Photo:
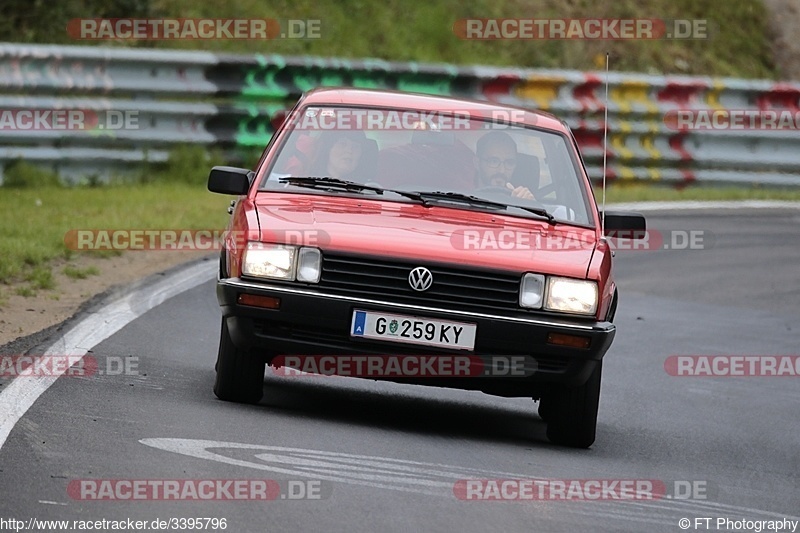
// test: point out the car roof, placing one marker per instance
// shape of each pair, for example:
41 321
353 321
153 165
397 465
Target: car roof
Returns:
430 103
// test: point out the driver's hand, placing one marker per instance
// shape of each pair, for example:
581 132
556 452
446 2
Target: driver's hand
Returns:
520 192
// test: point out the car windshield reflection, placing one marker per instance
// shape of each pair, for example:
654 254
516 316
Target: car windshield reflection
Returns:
504 163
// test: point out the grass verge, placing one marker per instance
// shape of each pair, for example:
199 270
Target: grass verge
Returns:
36 221
80 273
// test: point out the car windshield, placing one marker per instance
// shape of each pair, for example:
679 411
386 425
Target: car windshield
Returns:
422 152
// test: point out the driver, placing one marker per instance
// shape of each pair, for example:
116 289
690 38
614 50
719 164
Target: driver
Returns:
495 162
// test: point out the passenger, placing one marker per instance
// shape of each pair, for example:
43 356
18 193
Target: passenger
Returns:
337 154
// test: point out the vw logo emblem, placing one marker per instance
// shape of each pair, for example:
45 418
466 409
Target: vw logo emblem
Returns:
420 279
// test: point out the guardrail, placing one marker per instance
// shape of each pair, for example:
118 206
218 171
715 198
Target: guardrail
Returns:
229 101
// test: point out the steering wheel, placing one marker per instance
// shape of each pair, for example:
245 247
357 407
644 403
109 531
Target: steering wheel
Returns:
491 189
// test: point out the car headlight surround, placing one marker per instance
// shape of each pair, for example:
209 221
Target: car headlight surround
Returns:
568 295
282 262
309 264
273 261
531 291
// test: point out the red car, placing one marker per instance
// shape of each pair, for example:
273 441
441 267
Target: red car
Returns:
420 239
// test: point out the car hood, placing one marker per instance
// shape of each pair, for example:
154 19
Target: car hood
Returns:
409 231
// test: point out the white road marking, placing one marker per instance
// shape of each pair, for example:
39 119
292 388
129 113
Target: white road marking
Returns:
378 472
20 395
432 479
52 503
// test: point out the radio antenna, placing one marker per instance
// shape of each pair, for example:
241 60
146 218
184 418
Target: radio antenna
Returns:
605 146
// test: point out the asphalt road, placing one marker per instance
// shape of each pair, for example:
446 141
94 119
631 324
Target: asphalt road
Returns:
385 457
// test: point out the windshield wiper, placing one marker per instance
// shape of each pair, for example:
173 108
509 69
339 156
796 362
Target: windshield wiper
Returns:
419 196
475 200
326 181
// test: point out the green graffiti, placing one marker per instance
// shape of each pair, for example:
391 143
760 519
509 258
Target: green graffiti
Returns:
427 82
270 85
324 78
372 74
254 129
260 82
424 84
371 81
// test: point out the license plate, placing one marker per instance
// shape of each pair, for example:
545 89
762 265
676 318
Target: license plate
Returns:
413 330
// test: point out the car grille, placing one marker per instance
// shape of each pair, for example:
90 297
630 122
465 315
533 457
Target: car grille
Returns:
453 288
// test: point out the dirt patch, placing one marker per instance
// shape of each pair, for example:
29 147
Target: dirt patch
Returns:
784 19
22 316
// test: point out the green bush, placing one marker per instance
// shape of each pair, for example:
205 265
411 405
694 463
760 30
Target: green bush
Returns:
20 174
186 164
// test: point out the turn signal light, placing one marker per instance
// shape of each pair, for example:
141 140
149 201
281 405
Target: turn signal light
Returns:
572 341
254 300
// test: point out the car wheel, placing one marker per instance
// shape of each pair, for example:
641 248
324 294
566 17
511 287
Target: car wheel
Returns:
240 377
571 412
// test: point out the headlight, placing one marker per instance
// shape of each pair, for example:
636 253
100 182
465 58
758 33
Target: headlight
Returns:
275 261
531 291
309 265
571 296
281 261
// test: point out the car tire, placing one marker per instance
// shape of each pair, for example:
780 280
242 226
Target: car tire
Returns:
543 409
223 265
612 311
571 412
240 377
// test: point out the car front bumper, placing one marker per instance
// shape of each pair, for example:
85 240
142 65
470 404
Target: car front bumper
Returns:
311 322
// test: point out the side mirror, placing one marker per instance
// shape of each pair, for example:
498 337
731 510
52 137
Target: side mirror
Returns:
622 225
229 180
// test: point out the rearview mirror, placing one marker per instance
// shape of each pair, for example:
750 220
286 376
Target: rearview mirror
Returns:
624 225
229 180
